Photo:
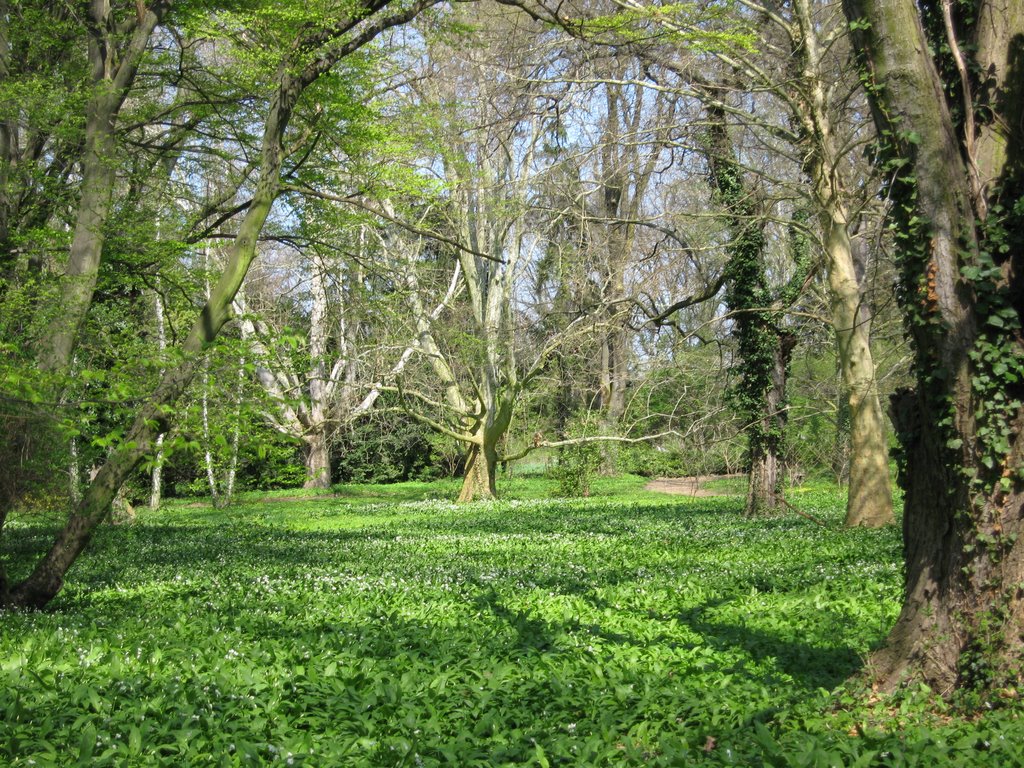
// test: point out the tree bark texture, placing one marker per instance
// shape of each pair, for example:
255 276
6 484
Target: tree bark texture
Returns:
869 500
764 488
317 460
482 453
478 482
960 428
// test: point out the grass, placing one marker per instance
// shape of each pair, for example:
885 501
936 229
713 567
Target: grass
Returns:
727 486
386 626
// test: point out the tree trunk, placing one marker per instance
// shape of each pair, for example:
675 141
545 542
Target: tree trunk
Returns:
869 501
764 485
317 459
236 435
962 620
763 348
321 386
156 478
74 473
764 489
211 471
481 470
112 76
482 454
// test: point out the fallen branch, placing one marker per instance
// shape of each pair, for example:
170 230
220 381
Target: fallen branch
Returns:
582 440
804 514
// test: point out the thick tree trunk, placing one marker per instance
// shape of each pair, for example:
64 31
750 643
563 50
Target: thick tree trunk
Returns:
317 459
481 470
482 454
321 387
764 485
962 620
764 349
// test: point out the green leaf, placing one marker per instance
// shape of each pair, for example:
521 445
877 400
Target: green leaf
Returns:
86 744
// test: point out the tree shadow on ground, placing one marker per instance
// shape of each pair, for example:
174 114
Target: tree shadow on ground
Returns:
810 666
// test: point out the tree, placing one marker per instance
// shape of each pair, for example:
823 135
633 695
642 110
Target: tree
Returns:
764 345
635 128
310 381
487 150
946 85
311 48
803 40
815 100
116 48
869 501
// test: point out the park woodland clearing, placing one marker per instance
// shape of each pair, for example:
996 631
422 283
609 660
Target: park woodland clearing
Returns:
339 340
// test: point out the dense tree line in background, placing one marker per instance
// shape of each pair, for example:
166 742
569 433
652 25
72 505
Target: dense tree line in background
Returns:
250 244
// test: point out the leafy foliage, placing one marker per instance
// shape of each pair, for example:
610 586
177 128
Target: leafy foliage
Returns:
635 630
577 463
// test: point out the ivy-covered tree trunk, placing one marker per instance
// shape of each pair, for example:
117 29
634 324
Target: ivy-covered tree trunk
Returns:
957 180
764 490
762 348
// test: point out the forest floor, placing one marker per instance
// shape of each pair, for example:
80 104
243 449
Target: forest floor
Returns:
392 627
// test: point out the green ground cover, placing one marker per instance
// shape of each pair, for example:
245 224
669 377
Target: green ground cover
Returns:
384 627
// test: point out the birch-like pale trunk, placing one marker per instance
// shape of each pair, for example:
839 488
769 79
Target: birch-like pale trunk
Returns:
236 435
74 472
204 397
302 402
157 472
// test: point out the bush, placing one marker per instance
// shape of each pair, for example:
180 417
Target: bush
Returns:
649 460
378 450
578 463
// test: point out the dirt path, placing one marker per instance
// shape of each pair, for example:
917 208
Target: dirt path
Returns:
686 486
